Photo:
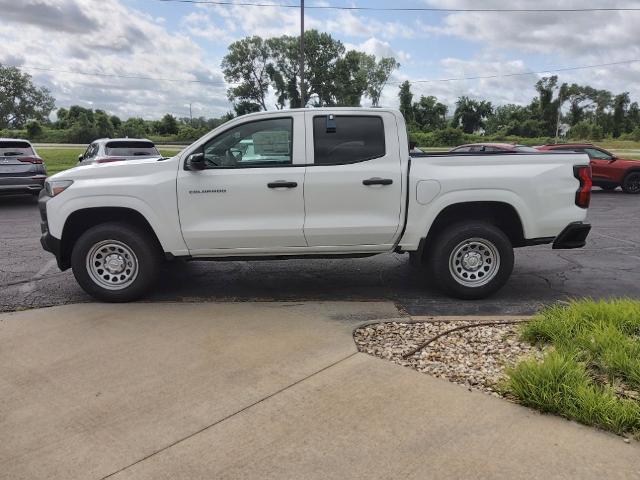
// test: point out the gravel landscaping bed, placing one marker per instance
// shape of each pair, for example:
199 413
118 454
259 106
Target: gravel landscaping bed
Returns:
475 357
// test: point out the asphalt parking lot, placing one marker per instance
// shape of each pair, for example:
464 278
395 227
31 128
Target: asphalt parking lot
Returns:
609 266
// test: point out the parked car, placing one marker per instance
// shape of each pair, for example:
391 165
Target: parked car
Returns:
492 148
328 182
609 171
106 150
21 168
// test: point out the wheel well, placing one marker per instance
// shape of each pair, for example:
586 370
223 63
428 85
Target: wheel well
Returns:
500 214
630 171
81 220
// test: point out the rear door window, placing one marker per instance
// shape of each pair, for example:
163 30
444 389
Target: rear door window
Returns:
342 139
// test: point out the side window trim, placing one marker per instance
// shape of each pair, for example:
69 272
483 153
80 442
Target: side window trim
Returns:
366 159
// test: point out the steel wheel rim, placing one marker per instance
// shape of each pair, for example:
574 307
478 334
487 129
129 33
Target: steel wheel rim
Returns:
633 183
111 264
474 262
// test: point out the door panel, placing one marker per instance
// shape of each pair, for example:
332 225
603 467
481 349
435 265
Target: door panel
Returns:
236 205
352 203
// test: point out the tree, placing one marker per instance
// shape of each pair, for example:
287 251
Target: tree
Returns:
506 119
471 114
246 63
103 126
168 125
429 114
243 107
406 101
321 55
378 76
21 100
351 78
545 107
333 76
134 127
620 106
34 129
115 121
322 65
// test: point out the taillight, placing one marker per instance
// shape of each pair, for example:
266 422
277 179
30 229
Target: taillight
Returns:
34 160
583 194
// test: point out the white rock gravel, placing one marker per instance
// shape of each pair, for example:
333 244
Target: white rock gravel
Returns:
474 357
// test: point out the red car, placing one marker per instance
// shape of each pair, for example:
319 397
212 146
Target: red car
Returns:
492 148
608 170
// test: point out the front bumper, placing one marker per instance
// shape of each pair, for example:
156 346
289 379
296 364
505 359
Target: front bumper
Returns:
573 236
13 185
48 241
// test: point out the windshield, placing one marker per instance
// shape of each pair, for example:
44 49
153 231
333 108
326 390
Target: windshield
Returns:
131 149
15 149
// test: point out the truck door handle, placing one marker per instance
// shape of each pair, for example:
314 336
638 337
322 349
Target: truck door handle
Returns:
282 184
377 181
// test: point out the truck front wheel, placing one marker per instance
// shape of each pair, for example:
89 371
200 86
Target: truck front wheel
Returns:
471 260
115 262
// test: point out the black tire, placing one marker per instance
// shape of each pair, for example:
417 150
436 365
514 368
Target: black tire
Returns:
631 183
488 249
131 246
608 188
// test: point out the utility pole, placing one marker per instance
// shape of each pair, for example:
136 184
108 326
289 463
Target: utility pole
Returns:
302 100
190 116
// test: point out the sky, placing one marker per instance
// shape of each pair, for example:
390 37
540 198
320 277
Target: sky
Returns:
53 40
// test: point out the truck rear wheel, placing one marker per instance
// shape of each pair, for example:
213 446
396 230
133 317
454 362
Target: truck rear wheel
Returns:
115 262
471 260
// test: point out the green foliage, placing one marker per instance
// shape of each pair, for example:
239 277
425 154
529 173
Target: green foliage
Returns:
429 114
333 76
246 63
634 135
34 129
21 100
595 357
406 102
378 74
470 114
561 385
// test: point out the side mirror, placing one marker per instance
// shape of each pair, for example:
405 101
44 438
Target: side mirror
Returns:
80 157
195 162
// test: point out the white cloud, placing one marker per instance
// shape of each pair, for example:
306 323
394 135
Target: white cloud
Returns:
379 48
121 41
585 35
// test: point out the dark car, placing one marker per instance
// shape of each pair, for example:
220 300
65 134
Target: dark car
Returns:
106 150
21 169
493 148
608 170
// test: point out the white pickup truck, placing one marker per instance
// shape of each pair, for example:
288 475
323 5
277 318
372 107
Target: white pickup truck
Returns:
334 182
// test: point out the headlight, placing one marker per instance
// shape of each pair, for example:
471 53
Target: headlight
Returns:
55 187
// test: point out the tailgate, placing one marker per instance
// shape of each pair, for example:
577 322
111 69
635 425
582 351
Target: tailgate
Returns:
13 167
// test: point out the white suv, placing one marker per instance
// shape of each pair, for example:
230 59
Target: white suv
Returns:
116 149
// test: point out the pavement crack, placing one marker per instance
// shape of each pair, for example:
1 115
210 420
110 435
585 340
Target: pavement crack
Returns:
231 415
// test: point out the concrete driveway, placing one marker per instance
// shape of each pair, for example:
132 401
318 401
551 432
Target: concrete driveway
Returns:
257 390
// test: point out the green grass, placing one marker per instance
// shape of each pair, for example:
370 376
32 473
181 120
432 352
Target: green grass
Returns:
591 372
59 159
